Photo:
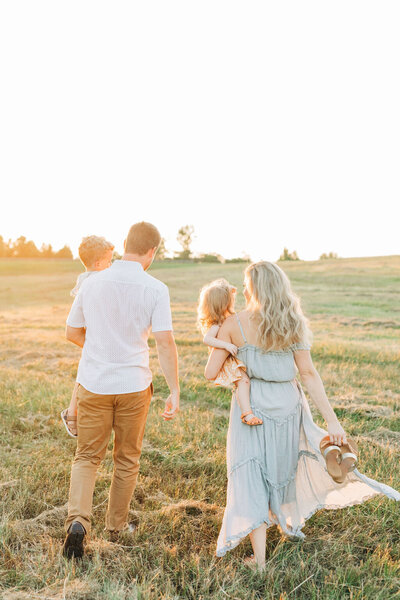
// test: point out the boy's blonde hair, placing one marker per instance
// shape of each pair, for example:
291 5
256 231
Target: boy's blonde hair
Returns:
93 248
215 302
275 307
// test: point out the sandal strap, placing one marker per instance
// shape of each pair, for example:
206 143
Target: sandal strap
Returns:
71 418
349 455
329 449
249 412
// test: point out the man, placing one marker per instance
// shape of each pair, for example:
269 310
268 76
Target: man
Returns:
111 319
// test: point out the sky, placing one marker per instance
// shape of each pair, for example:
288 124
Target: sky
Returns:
262 124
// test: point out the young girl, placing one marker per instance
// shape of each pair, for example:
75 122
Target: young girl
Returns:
216 303
96 255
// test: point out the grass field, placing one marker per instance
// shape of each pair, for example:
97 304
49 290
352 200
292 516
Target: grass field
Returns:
354 553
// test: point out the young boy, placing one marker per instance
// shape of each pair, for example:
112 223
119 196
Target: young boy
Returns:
96 255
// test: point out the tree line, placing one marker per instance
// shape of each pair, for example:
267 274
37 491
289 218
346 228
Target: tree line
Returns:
185 238
24 248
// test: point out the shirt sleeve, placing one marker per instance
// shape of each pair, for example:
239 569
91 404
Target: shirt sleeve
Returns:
76 317
161 319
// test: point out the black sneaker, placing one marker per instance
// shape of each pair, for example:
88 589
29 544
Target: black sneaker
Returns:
73 545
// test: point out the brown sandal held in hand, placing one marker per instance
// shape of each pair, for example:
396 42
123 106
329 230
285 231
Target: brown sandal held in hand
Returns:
349 458
254 421
333 458
69 423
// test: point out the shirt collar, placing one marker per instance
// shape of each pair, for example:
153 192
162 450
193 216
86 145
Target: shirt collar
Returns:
128 264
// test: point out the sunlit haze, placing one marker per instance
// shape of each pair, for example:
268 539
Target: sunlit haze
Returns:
262 124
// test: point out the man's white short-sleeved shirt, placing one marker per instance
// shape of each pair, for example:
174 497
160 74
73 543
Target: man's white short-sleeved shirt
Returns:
119 307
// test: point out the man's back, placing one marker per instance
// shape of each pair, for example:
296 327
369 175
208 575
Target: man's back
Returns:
118 307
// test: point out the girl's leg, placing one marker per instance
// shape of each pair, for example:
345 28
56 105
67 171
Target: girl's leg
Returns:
258 538
243 397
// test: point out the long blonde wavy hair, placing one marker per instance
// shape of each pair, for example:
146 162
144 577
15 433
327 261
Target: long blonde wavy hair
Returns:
275 307
216 302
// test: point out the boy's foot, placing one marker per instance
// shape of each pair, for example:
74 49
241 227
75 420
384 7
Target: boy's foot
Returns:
70 423
73 545
249 418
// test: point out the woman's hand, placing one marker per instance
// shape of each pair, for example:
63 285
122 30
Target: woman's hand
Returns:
337 434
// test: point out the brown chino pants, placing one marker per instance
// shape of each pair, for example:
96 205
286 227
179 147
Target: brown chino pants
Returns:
98 415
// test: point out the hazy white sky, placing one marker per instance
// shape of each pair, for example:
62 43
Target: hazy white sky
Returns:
263 124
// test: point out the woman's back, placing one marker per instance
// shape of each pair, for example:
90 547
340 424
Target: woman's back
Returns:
270 365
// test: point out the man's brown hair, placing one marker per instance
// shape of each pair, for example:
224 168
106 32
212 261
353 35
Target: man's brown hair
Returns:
141 238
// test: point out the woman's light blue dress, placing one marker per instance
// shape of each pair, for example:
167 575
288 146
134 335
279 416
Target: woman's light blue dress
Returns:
276 472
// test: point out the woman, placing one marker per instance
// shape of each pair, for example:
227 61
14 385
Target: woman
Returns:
276 472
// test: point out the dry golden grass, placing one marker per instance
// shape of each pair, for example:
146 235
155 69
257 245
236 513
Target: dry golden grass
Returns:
351 553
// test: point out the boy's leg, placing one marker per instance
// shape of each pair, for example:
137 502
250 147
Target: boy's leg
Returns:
95 418
129 424
73 405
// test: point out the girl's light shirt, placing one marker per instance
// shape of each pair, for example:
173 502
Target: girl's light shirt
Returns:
79 281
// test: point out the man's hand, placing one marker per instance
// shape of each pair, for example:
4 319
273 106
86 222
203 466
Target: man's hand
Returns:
168 358
171 406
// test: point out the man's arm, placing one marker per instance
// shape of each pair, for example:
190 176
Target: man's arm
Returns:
168 358
76 335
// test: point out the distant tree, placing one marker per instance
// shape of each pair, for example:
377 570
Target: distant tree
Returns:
324 256
65 252
210 258
286 255
162 250
185 239
24 248
238 259
5 248
46 251
116 256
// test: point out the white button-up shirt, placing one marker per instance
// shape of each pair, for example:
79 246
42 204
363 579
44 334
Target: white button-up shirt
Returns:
119 306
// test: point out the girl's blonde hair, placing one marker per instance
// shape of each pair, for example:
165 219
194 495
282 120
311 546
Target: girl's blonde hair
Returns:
275 307
215 302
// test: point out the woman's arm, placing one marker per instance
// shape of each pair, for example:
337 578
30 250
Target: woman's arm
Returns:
218 355
211 340
313 384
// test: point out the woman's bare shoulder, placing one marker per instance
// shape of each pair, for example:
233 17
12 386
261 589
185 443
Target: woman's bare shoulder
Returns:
227 325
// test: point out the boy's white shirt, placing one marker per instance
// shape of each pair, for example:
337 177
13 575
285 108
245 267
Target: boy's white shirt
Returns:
81 278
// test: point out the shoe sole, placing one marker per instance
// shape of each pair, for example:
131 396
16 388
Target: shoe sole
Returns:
63 419
73 547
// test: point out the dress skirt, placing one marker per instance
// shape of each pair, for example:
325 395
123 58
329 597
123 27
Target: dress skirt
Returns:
276 472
